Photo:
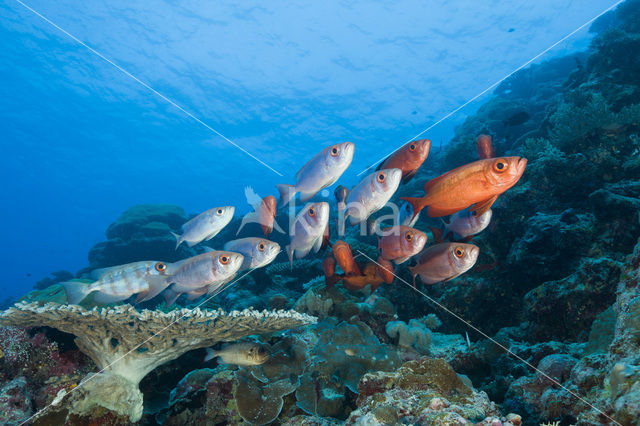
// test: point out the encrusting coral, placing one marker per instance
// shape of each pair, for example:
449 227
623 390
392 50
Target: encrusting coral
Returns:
126 344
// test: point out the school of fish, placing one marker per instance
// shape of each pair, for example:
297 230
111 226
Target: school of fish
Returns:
466 194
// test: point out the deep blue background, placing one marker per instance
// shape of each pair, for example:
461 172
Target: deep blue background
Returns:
81 141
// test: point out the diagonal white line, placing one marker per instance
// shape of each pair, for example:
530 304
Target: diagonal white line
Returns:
39 412
128 74
496 83
501 346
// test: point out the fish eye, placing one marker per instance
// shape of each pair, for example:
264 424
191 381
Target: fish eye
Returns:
459 252
474 213
412 147
500 166
219 212
380 178
261 351
335 151
261 246
224 259
408 236
161 267
312 212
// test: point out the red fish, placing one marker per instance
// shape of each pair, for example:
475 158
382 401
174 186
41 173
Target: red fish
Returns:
485 148
267 214
344 257
399 243
408 158
476 184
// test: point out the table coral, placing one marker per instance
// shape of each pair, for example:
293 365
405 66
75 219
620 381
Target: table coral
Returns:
126 344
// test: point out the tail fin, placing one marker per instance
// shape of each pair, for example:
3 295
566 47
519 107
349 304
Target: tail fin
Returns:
211 354
178 239
76 291
287 192
290 251
437 234
417 204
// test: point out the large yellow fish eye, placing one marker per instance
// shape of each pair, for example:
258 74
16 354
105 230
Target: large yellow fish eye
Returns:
161 267
459 252
412 147
261 246
224 259
335 151
219 212
408 236
312 212
500 165
380 178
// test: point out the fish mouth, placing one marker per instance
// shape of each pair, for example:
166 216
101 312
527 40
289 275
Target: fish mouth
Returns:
348 148
522 164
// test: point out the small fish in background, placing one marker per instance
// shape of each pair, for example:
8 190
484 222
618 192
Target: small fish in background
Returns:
370 195
408 158
463 225
444 262
406 216
264 212
308 230
322 171
245 354
477 184
118 283
205 226
257 252
485 147
400 243
204 273
341 194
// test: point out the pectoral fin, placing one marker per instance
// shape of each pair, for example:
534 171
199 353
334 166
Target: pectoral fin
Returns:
482 207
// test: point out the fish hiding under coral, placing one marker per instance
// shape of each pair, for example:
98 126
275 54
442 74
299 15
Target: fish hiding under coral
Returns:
246 353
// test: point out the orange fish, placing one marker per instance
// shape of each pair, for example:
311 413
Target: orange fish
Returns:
385 270
476 184
344 257
485 148
329 269
267 214
409 158
369 276
399 243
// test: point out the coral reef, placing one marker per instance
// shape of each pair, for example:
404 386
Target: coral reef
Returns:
424 391
126 344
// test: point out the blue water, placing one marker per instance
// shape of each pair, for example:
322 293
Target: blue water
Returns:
82 141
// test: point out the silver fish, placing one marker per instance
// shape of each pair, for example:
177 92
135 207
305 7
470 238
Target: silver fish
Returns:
465 223
444 262
205 226
247 353
371 194
308 230
204 270
257 252
320 172
121 282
